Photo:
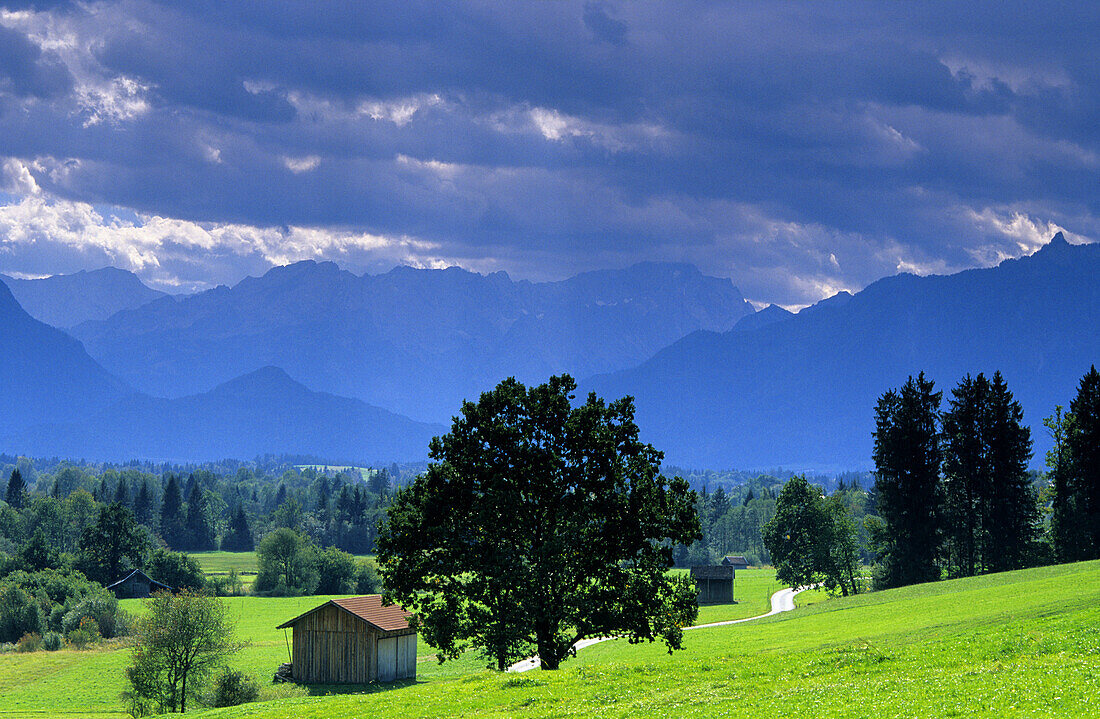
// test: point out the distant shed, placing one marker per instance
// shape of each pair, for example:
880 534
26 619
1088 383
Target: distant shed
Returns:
136 585
353 641
737 561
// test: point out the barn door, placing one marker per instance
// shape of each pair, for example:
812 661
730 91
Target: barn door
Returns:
387 659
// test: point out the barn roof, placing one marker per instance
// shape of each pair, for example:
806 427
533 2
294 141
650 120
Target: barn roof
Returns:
386 618
735 560
138 574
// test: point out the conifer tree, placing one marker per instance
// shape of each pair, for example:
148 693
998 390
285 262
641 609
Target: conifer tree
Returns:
200 535
143 505
907 482
239 538
172 520
1011 517
1084 452
1067 536
122 492
966 474
17 490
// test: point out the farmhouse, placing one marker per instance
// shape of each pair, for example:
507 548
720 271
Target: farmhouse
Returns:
137 585
353 641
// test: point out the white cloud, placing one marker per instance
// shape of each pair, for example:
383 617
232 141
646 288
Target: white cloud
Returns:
298 165
99 96
16 178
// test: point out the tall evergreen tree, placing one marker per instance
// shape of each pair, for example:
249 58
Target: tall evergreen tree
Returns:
17 490
1067 531
200 533
966 474
1084 452
172 521
1011 517
122 492
239 538
907 482
143 505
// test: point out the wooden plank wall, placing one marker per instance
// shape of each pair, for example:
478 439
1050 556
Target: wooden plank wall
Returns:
332 646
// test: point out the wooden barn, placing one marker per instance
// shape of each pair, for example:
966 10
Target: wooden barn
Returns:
737 561
136 585
353 641
714 584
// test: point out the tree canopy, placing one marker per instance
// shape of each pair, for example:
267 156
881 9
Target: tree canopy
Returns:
538 524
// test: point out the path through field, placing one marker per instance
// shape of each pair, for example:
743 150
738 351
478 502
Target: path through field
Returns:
782 601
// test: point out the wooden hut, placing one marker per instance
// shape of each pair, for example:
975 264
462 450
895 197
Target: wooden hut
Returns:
136 585
353 641
737 561
714 584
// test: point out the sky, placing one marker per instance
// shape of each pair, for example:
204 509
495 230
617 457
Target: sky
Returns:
799 149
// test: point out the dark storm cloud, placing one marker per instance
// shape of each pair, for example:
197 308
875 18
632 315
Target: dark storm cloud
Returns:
797 148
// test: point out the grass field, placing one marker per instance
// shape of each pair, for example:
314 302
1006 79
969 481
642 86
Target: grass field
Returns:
1010 645
87 683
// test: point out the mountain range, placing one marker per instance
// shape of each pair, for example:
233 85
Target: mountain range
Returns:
303 359
68 300
417 341
800 390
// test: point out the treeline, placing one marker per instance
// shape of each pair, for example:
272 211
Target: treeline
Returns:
952 485
198 511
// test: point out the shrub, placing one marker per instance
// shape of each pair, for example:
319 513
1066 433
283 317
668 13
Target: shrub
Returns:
86 634
175 569
229 585
337 572
233 688
100 606
52 641
29 642
367 580
19 613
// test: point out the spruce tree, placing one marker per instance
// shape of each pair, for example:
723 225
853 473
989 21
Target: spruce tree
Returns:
143 505
200 535
239 537
966 474
122 492
1067 536
17 490
172 525
1084 451
907 482
1011 515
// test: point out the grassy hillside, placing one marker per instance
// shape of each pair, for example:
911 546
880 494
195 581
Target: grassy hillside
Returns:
87 683
1016 644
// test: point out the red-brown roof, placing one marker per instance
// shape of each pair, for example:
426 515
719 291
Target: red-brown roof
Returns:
387 618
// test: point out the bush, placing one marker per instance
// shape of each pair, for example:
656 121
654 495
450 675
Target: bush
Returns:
86 634
336 571
367 580
102 608
175 569
30 642
52 641
233 688
229 585
19 613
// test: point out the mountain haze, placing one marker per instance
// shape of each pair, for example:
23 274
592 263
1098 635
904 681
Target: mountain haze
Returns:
67 300
415 341
264 412
800 392
45 375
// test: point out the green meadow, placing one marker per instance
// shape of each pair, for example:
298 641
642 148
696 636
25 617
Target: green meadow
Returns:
87 683
1010 645
1016 644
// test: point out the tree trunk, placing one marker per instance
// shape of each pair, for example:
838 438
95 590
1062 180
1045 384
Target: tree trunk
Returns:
183 695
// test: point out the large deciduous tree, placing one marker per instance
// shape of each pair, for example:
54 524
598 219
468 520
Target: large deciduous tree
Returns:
112 543
907 482
538 524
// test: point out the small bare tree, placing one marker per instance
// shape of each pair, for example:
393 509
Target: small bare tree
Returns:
180 640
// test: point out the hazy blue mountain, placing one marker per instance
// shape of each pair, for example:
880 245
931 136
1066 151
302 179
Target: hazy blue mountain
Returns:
67 300
45 375
416 341
767 316
801 392
263 412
